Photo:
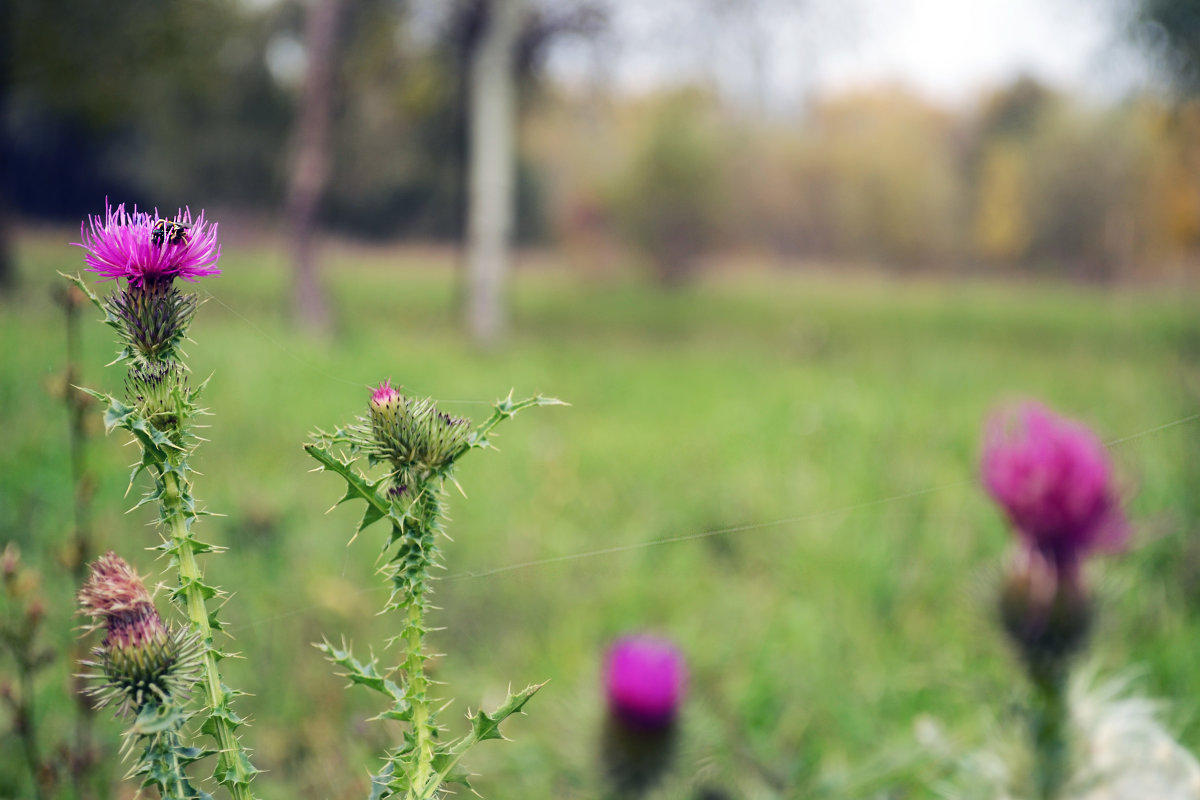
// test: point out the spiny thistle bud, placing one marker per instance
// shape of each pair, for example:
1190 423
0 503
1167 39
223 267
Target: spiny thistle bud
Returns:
141 662
413 433
645 680
157 388
154 316
1046 613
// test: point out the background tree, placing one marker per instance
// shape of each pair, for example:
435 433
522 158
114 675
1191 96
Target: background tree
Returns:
311 165
492 148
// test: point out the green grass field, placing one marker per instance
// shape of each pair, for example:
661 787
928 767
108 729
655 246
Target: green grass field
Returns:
828 425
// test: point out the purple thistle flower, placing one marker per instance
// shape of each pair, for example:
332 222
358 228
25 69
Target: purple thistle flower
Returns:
1054 479
384 394
149 250
644 680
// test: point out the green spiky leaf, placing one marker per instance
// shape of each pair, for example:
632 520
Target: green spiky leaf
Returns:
484 726
357 486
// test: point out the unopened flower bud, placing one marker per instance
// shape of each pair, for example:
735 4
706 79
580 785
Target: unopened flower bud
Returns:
140 659
413 433
156 388
10 561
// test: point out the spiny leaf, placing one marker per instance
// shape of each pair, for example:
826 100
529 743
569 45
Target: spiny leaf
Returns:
484 726
381 782
503 410
357 486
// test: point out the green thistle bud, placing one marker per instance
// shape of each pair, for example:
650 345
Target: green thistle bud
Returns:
140 662
157 389
154 317
413 433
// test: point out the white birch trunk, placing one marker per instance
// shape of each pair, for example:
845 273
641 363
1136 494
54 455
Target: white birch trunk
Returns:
491 187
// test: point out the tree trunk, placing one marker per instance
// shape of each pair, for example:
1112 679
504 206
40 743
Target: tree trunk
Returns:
311 166
492 163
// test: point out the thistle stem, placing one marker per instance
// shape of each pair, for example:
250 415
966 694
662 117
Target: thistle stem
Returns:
191 579
26 725
417 688
1048 732
429 511
84 758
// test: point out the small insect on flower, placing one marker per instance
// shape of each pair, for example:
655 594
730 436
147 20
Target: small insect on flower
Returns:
169 231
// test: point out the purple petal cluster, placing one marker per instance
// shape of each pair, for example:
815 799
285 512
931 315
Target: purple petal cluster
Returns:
121 244
645 680
1054 480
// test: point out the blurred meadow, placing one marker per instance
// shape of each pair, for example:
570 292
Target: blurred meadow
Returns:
779 332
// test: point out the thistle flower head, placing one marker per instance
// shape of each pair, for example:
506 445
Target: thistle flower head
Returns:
148 250
140 661
113 589
413 433
1053 478
644 680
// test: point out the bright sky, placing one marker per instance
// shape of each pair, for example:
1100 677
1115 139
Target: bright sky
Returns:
945 49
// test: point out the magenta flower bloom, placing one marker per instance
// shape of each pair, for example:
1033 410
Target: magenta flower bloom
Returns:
644 680
1054 479
149 250
384 394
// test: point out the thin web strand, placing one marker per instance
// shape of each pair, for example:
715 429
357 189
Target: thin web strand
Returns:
687 537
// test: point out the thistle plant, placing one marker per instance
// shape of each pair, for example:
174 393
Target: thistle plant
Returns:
145 255
1053 479
645 680
398 459
147 671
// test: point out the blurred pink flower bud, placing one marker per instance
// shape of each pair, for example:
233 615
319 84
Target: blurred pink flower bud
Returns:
1054 480
645 680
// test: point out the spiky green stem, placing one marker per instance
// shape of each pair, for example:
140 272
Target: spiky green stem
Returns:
234 769
424 726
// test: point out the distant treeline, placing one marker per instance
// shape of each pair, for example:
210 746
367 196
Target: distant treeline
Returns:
1028 178
173 102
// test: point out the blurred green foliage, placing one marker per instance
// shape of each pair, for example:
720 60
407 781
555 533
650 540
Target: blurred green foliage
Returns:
829 424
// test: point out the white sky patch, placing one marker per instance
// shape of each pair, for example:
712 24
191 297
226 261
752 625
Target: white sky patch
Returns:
781 52
949 49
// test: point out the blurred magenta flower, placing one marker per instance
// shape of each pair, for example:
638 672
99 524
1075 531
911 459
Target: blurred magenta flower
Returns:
1053 477
145 249
645 680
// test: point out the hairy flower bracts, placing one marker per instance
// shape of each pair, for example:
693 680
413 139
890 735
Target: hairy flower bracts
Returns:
417 447
1053 479
145 255
145 669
